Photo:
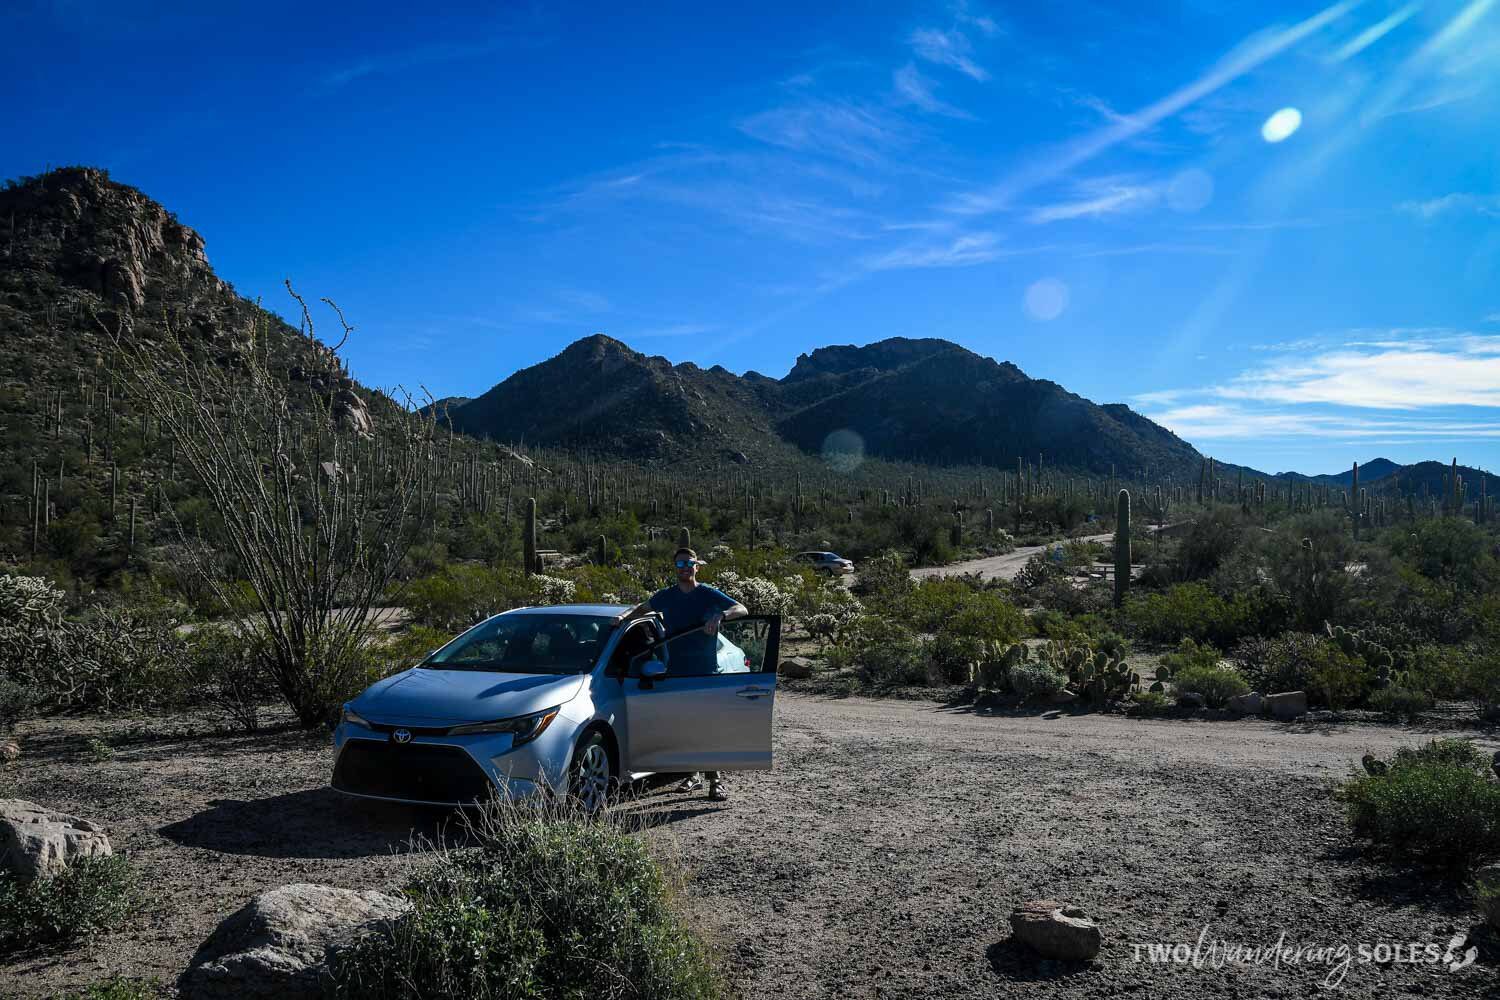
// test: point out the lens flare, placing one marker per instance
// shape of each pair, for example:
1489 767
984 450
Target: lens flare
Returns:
1281 125
844 449
1046 299
1190 190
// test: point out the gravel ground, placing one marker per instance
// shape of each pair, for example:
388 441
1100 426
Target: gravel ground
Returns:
880 858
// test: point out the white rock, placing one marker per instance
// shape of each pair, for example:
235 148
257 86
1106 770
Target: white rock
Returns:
37 841
1286 705
279 943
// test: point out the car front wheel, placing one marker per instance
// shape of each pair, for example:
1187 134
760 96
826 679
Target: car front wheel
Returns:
591 777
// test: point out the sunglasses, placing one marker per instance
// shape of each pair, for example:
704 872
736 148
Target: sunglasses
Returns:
685 563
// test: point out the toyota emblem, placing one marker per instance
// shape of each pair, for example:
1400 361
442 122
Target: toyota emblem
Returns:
402 736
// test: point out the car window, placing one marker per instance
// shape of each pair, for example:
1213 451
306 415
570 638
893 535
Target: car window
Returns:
739 648
632 644
527 644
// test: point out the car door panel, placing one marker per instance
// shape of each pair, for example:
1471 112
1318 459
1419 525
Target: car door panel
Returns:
707 721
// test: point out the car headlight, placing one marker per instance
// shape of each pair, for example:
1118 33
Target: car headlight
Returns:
351 716
523 729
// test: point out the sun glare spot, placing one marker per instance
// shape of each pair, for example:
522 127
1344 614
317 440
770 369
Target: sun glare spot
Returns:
1281 125
844 449
1046 299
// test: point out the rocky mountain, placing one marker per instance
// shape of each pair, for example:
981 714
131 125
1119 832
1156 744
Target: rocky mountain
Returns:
927 401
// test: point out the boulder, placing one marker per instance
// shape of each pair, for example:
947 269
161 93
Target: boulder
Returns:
278 945
1245 704
1286 705
10 752
351 413
1055 930
1191 699
796 667
38 841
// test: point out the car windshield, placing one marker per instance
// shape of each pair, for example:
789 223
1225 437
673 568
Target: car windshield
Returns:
527 644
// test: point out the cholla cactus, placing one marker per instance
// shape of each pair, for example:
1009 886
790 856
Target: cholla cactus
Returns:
554 589
719 552
760 596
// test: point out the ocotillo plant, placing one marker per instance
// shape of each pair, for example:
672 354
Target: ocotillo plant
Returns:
1122 547
528 537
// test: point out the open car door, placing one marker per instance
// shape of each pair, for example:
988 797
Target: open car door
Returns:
711 709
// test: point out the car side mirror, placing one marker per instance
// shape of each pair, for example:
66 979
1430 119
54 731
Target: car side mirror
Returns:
653 670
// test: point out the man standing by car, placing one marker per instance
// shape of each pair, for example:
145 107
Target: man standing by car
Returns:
684 607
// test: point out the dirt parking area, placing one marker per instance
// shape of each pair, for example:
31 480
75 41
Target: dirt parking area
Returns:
880 858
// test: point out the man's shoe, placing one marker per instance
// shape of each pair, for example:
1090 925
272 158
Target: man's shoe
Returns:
716 792
691 783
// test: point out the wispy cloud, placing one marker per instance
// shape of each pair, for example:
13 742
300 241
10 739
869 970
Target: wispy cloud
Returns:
414 58
962 251
948 47
912 88
1458 203
1375 32
844 130
1403 385
1252 53
1098 198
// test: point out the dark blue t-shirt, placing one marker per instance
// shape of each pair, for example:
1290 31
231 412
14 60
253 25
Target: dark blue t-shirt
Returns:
682 610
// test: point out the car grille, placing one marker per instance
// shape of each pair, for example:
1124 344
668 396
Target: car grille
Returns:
420 772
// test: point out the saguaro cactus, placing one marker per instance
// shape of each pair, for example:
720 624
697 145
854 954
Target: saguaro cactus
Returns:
684 539
1122 546
1355 506
528 537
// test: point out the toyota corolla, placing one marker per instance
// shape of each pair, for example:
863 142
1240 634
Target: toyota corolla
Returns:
562 699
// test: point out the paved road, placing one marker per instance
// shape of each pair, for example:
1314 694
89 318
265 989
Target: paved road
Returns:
1005 567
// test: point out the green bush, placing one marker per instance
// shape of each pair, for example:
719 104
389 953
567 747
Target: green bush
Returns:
1434 805
1280 664
546 908
1399 702
118 988
883 653
1150 703
91 895
1194 611
1035 681
1487 901
1217 684
1337 679
460 596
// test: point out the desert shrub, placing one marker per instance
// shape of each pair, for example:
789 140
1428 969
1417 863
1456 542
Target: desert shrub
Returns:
1280 664
1210 540
1039 569
1445 753
90 895
546 907
1150 703
829 612
1448 549
1484 679
883 654
1307 561
1440 671
221 667
1217 683
1194 611
933 601
1487 901
1399 702
460 596
1435 804
118 988
1036 681
1337 679
1189 655
17 701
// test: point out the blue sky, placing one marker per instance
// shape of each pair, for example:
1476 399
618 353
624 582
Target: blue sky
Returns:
1275 228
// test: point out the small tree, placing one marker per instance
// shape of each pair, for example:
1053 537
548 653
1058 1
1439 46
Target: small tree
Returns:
318 507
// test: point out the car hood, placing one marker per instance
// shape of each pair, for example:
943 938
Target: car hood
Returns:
423 695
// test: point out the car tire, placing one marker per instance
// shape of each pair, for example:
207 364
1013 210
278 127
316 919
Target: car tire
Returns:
591 775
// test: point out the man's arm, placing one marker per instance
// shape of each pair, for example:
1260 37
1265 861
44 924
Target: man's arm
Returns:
729 614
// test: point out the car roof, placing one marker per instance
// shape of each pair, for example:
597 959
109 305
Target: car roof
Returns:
598 610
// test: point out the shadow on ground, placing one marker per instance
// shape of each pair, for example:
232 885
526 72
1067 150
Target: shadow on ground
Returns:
316 823
1014 961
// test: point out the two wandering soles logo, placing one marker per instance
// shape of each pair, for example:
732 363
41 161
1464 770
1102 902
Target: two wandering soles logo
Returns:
1338 959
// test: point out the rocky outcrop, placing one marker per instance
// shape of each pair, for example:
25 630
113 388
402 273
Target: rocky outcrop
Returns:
351 413
795 667
1055 930
35 840
279 944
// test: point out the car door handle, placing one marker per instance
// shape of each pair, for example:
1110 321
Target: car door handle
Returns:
752 693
